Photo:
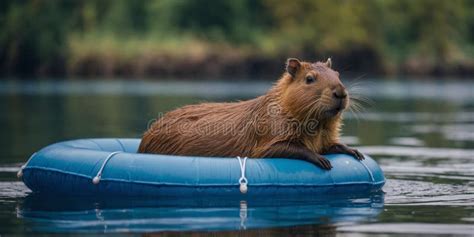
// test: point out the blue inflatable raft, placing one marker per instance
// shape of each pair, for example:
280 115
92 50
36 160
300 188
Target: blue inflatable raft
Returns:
112 167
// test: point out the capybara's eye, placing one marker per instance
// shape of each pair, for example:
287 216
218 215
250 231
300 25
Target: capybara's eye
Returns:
310 79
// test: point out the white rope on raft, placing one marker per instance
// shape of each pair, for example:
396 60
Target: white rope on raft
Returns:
20 172
242 181
97 178
242 163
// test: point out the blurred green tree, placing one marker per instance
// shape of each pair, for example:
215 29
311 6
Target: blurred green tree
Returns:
422 36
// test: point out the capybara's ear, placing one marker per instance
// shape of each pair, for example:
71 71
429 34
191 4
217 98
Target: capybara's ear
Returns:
292 66
328 63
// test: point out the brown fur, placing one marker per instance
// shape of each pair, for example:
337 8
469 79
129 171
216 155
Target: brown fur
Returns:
275 124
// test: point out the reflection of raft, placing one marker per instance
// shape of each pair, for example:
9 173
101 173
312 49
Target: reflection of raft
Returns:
112 167
47 214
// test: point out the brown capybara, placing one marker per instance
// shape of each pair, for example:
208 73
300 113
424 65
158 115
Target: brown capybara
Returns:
298 118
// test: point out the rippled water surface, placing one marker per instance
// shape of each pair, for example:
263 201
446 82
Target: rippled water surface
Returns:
421 133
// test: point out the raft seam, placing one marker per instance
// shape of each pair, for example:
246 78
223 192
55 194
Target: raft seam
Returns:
368 171
121 145
96 143
203 185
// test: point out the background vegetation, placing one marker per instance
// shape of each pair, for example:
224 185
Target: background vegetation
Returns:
240 37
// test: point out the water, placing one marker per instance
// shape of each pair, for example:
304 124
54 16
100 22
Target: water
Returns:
422 134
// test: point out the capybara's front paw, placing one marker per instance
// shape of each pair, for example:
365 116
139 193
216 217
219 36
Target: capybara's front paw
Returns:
356 153
341 148
321 161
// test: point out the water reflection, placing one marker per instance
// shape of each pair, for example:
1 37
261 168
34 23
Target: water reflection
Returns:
106 215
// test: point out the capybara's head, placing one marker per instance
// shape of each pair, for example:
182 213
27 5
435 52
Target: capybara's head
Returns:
313 90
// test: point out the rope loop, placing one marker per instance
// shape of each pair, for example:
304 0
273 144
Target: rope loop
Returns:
97 178
243 180
19 174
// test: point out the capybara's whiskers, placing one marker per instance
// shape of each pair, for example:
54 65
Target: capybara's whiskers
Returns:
365 101
357 96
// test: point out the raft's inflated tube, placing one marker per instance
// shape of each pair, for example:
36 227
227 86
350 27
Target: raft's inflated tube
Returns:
101 167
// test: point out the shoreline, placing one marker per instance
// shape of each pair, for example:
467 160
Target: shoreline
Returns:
215 67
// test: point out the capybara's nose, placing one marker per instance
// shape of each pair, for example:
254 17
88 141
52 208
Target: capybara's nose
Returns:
339 94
